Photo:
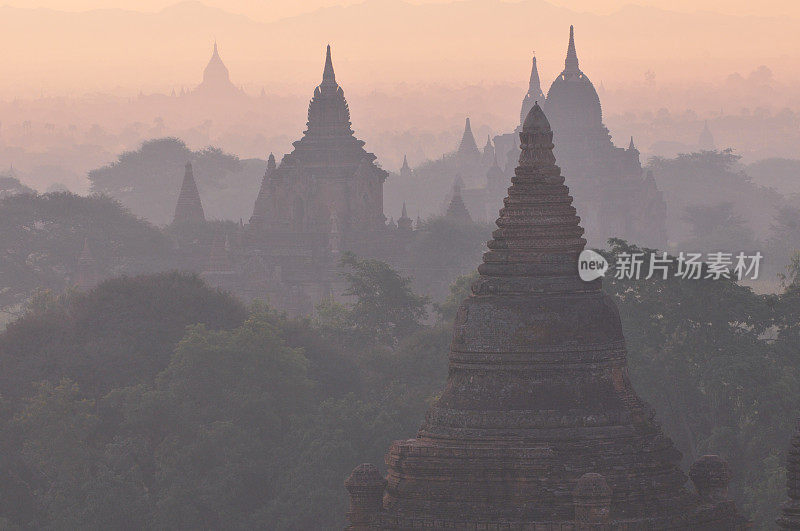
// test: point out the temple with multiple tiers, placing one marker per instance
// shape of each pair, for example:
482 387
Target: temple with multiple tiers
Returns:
538 426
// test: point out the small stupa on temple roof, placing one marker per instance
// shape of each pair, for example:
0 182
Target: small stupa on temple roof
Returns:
86 276
189 208
457 210
538 426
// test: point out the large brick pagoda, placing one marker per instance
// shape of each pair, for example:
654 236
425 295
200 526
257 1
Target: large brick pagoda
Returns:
538 426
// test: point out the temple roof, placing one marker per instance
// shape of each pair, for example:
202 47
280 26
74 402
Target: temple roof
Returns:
189 208
328 141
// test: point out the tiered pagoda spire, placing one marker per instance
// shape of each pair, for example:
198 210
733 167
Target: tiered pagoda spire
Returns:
534 93
328 112
571 62
538 425
468 147
189 208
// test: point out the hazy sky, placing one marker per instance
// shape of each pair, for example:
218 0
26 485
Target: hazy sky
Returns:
160 45
265 11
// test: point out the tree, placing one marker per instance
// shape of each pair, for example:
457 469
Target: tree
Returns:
120 333
147 181
699 353
718 228
43 236
384 307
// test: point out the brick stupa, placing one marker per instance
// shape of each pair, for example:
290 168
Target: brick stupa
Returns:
538 426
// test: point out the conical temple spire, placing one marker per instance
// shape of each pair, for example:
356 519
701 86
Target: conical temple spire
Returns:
328 112
571 62
631 146
189 208
405 169
404 213
328 76
468 146
534 93
534 85
539 233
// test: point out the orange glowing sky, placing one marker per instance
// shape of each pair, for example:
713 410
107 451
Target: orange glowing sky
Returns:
82 46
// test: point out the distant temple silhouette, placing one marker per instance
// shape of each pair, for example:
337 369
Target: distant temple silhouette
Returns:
323 198
189 208
216 80
610 189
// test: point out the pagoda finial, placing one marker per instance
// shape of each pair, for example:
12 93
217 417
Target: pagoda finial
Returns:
271 162
328 75
404 214
534 85
631 146
571 63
